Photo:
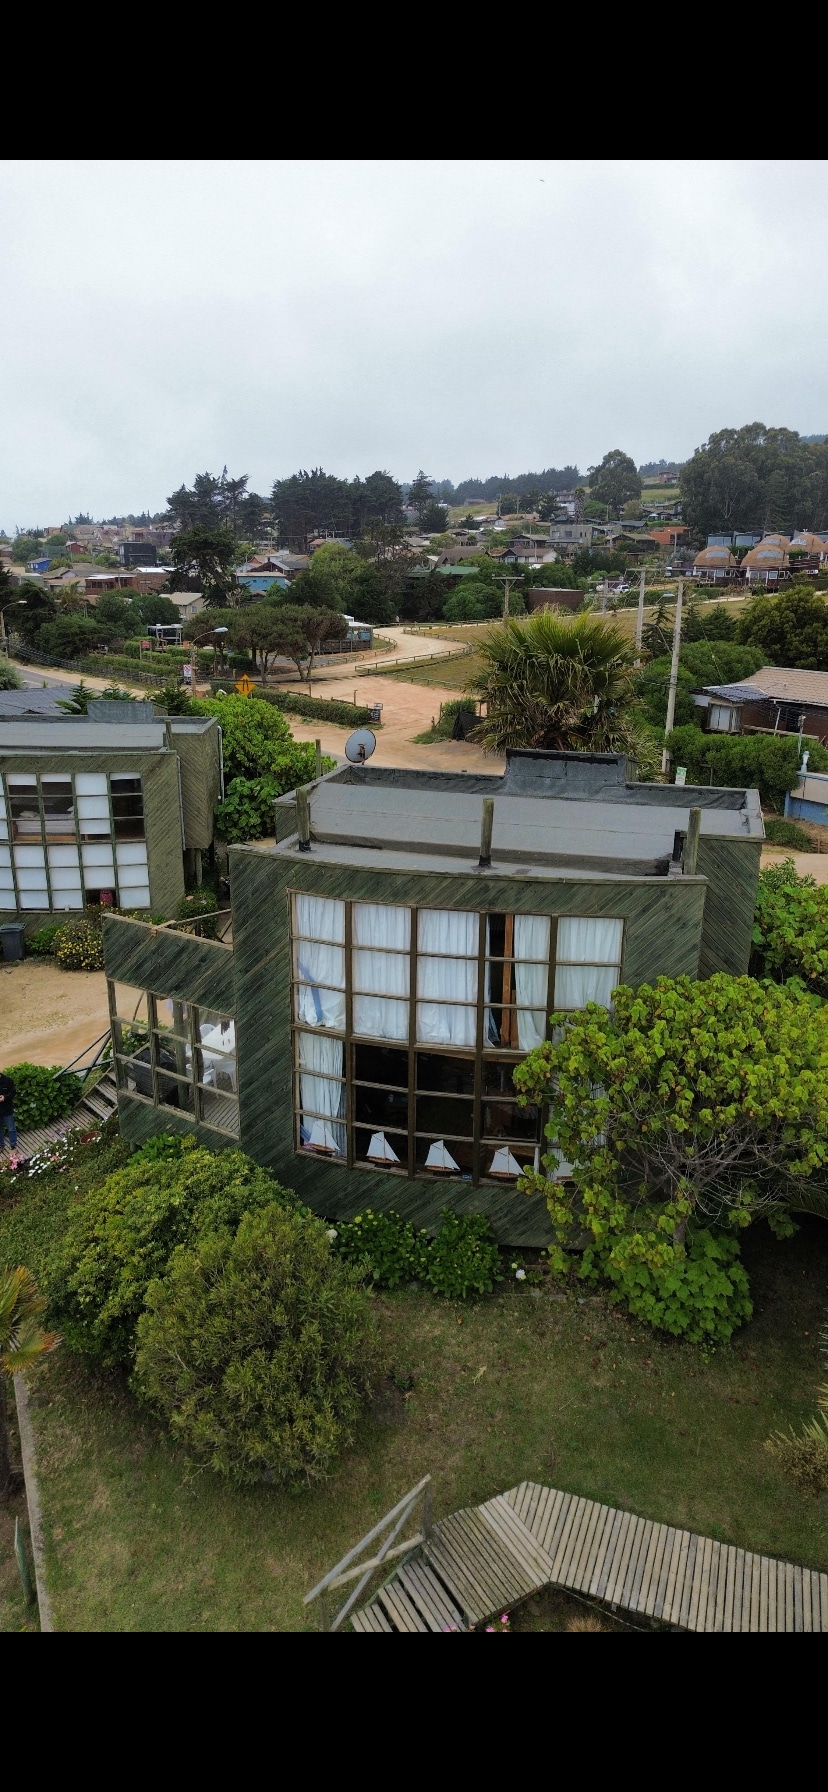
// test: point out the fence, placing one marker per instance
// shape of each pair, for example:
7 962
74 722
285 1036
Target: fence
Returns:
101 666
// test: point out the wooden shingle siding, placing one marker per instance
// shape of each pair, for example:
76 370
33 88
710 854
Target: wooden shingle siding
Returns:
732 868
200 782
170 963
162 821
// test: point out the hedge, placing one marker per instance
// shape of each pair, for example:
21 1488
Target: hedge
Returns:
768 763
99 665
328 709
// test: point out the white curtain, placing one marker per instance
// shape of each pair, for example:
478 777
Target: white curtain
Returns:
380 978
321 1060
442 981
593 948
319 958
531 980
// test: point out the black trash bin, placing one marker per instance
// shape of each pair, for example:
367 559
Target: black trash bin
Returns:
11 941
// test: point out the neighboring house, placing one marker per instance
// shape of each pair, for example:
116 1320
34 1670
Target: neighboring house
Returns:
571 535
808 801
361 1035
715 563
767 561
255 583
668 538
282 562
805 542
552 598
103 808
187 603
138 553
776 700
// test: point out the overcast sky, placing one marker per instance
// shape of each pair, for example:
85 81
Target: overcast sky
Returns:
163 318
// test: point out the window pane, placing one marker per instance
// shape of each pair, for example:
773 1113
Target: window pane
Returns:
582 941
173 1016
575 985
505 1120
318 918
454 1076
318 1007
504 1163
438 1158
315 963
445 1114
220 1110
376 1064
381 1107
322 1095
498 1076
447 979
385 1149
379 1018
448 930
444 1025
381 924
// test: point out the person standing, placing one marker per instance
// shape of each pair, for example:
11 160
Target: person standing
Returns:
7 1125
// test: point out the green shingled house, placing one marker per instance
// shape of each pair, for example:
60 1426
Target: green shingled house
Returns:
110 807
361 1033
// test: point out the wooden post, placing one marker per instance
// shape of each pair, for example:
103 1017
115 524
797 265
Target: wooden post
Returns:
639 621
303 819
318 746
671 695
427 1521
691 844
486 825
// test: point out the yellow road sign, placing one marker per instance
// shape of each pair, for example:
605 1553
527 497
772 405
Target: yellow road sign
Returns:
245 685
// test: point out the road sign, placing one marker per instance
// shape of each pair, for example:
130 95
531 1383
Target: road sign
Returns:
245 685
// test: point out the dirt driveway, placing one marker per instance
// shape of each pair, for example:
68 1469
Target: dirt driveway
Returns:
48 1016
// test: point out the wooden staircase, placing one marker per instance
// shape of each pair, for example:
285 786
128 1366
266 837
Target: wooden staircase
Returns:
93 1110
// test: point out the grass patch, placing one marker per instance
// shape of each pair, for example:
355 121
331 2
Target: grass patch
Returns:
564 1390
788 833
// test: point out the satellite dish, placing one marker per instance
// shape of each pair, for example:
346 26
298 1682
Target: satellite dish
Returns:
360 745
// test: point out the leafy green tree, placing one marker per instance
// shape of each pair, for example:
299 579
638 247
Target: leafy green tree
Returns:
22 1342
791 628
690 1104
700 663
253 733
114 616
311 503
557 683
756 478
474 602
154 606
262 629
377 499
28 547
434 519
421 493
615 481
209 556
259 1350
69 637
718 624
36 610
219 502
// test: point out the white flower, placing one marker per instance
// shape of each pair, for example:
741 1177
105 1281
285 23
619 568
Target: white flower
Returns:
520 1275
332 1233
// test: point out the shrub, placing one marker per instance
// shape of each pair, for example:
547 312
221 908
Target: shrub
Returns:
121 1236
78 945
790 927
387 1244
803 1459
324 709
247 810
768 763
200 903
163 1147
10 679
463 1259
42 943
40 1095
786 833
702 1295
259 1349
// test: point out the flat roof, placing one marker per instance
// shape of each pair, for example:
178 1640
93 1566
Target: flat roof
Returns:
552 812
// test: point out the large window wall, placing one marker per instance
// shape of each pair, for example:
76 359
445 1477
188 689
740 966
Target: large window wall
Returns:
173 1054
408 1025
71 838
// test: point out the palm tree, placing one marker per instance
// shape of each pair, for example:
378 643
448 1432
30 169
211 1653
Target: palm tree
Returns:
557 683
21 1343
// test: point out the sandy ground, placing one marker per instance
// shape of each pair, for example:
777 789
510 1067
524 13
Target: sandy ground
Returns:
48 1016
407 709
814 863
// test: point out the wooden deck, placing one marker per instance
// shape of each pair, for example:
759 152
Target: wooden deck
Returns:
95 1108
486 1559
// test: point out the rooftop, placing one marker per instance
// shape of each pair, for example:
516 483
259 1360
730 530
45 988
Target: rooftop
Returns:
554 813
787 684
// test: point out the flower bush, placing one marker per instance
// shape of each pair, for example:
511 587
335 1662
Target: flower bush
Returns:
78 945
40 1095
462 1260
42 943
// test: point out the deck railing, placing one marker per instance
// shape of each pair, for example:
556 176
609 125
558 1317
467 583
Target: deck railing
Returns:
350 1569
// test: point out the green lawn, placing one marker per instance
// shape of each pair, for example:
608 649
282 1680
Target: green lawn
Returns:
527 1384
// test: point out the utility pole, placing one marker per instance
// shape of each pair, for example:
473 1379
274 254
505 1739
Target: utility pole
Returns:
639 625
507 580
671 695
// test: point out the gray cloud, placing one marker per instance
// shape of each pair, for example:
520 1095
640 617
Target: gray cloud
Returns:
161 318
